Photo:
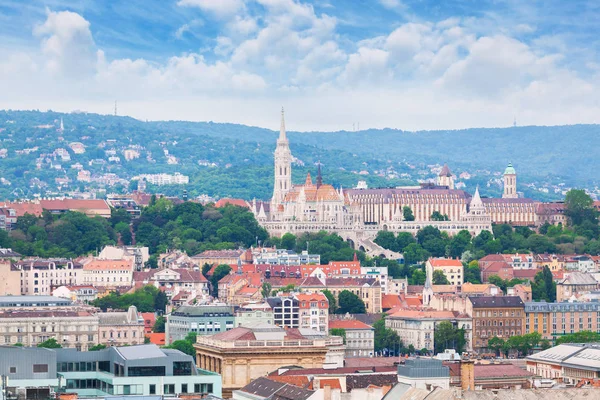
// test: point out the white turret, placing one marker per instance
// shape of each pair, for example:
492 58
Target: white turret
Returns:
510 183
283 168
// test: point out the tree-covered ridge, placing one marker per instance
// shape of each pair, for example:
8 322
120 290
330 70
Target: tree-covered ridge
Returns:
237 160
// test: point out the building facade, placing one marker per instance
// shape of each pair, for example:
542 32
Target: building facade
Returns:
42 276
202 320
314 311
495 316
552 320
108 273
117 328
360 337
452 269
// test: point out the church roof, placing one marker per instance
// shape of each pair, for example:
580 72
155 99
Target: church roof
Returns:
510 170
445 171
313 193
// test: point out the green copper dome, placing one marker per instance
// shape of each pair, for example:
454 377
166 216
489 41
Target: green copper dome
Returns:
510 170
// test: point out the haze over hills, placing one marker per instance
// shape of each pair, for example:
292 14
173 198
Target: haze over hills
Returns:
236 160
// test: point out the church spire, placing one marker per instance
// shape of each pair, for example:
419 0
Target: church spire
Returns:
282 134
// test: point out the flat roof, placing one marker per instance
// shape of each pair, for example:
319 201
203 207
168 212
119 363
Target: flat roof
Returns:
30 300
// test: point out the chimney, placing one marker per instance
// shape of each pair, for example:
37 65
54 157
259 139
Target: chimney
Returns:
467 374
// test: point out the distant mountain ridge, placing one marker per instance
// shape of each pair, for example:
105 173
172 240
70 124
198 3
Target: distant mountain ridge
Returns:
543 156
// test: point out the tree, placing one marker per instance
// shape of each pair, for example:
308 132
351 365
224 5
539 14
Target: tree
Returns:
18 344
50 344
413 253
159 325
437 216
403 240
288 241
459 244
545 344
387 240
496 344
160 301
544 287
407 214
332 301
439 278
386 339
265 290
473 272
184 346
97 347
338 332
447 336
350 303
579 207
220 272
579 337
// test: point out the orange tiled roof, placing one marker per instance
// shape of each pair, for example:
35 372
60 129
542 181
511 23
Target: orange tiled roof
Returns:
108 265
74 204
469 287
445 262
423 314
390 301
313 193
156 338
348 324
24 208
235 202
295 380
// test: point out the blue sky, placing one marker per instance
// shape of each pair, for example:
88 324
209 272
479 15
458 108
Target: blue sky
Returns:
407 64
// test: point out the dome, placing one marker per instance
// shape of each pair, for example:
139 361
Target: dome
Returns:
510 170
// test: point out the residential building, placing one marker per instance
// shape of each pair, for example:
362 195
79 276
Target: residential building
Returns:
554 262
501 316
582 263
552 320
77 293
126 203
275 256
106 272
145 370
138 254
70 327
286 311
174 280
574 285
501 269
219 257
417 327
369 290
91 208
10 278
570 363
118 328
253 314
149 321
523 291
314 311
202 320
42 276
424 373
360 337
453 269
397 286
164 179
244 354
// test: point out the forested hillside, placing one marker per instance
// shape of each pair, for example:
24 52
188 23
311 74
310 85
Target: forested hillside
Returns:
235 160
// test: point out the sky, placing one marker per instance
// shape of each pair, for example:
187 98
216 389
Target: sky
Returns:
332 64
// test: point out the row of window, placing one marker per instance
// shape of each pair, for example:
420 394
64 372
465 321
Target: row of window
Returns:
497 313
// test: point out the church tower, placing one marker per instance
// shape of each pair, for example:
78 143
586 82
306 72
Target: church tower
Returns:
510 183
283 168
445 178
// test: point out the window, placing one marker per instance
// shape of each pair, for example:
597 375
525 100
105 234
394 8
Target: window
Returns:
40 368
169 389
147 371
152 389
13 370
184 387
182 368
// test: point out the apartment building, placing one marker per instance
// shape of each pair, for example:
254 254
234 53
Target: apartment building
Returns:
552 320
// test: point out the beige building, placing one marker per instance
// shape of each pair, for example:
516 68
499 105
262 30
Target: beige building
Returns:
71 328
218 257
574 285
247 353
108 273
42 276
453 269
139 255
174 281
417 327
10 279
367 289
121 328
360 337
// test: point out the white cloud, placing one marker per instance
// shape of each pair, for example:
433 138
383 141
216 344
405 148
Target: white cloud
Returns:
220 8
391 4
188 27
67 44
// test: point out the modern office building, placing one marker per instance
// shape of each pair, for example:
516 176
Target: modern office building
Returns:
30 372
133 370
202 320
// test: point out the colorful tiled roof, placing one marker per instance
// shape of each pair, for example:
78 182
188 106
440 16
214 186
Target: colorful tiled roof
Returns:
348 324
